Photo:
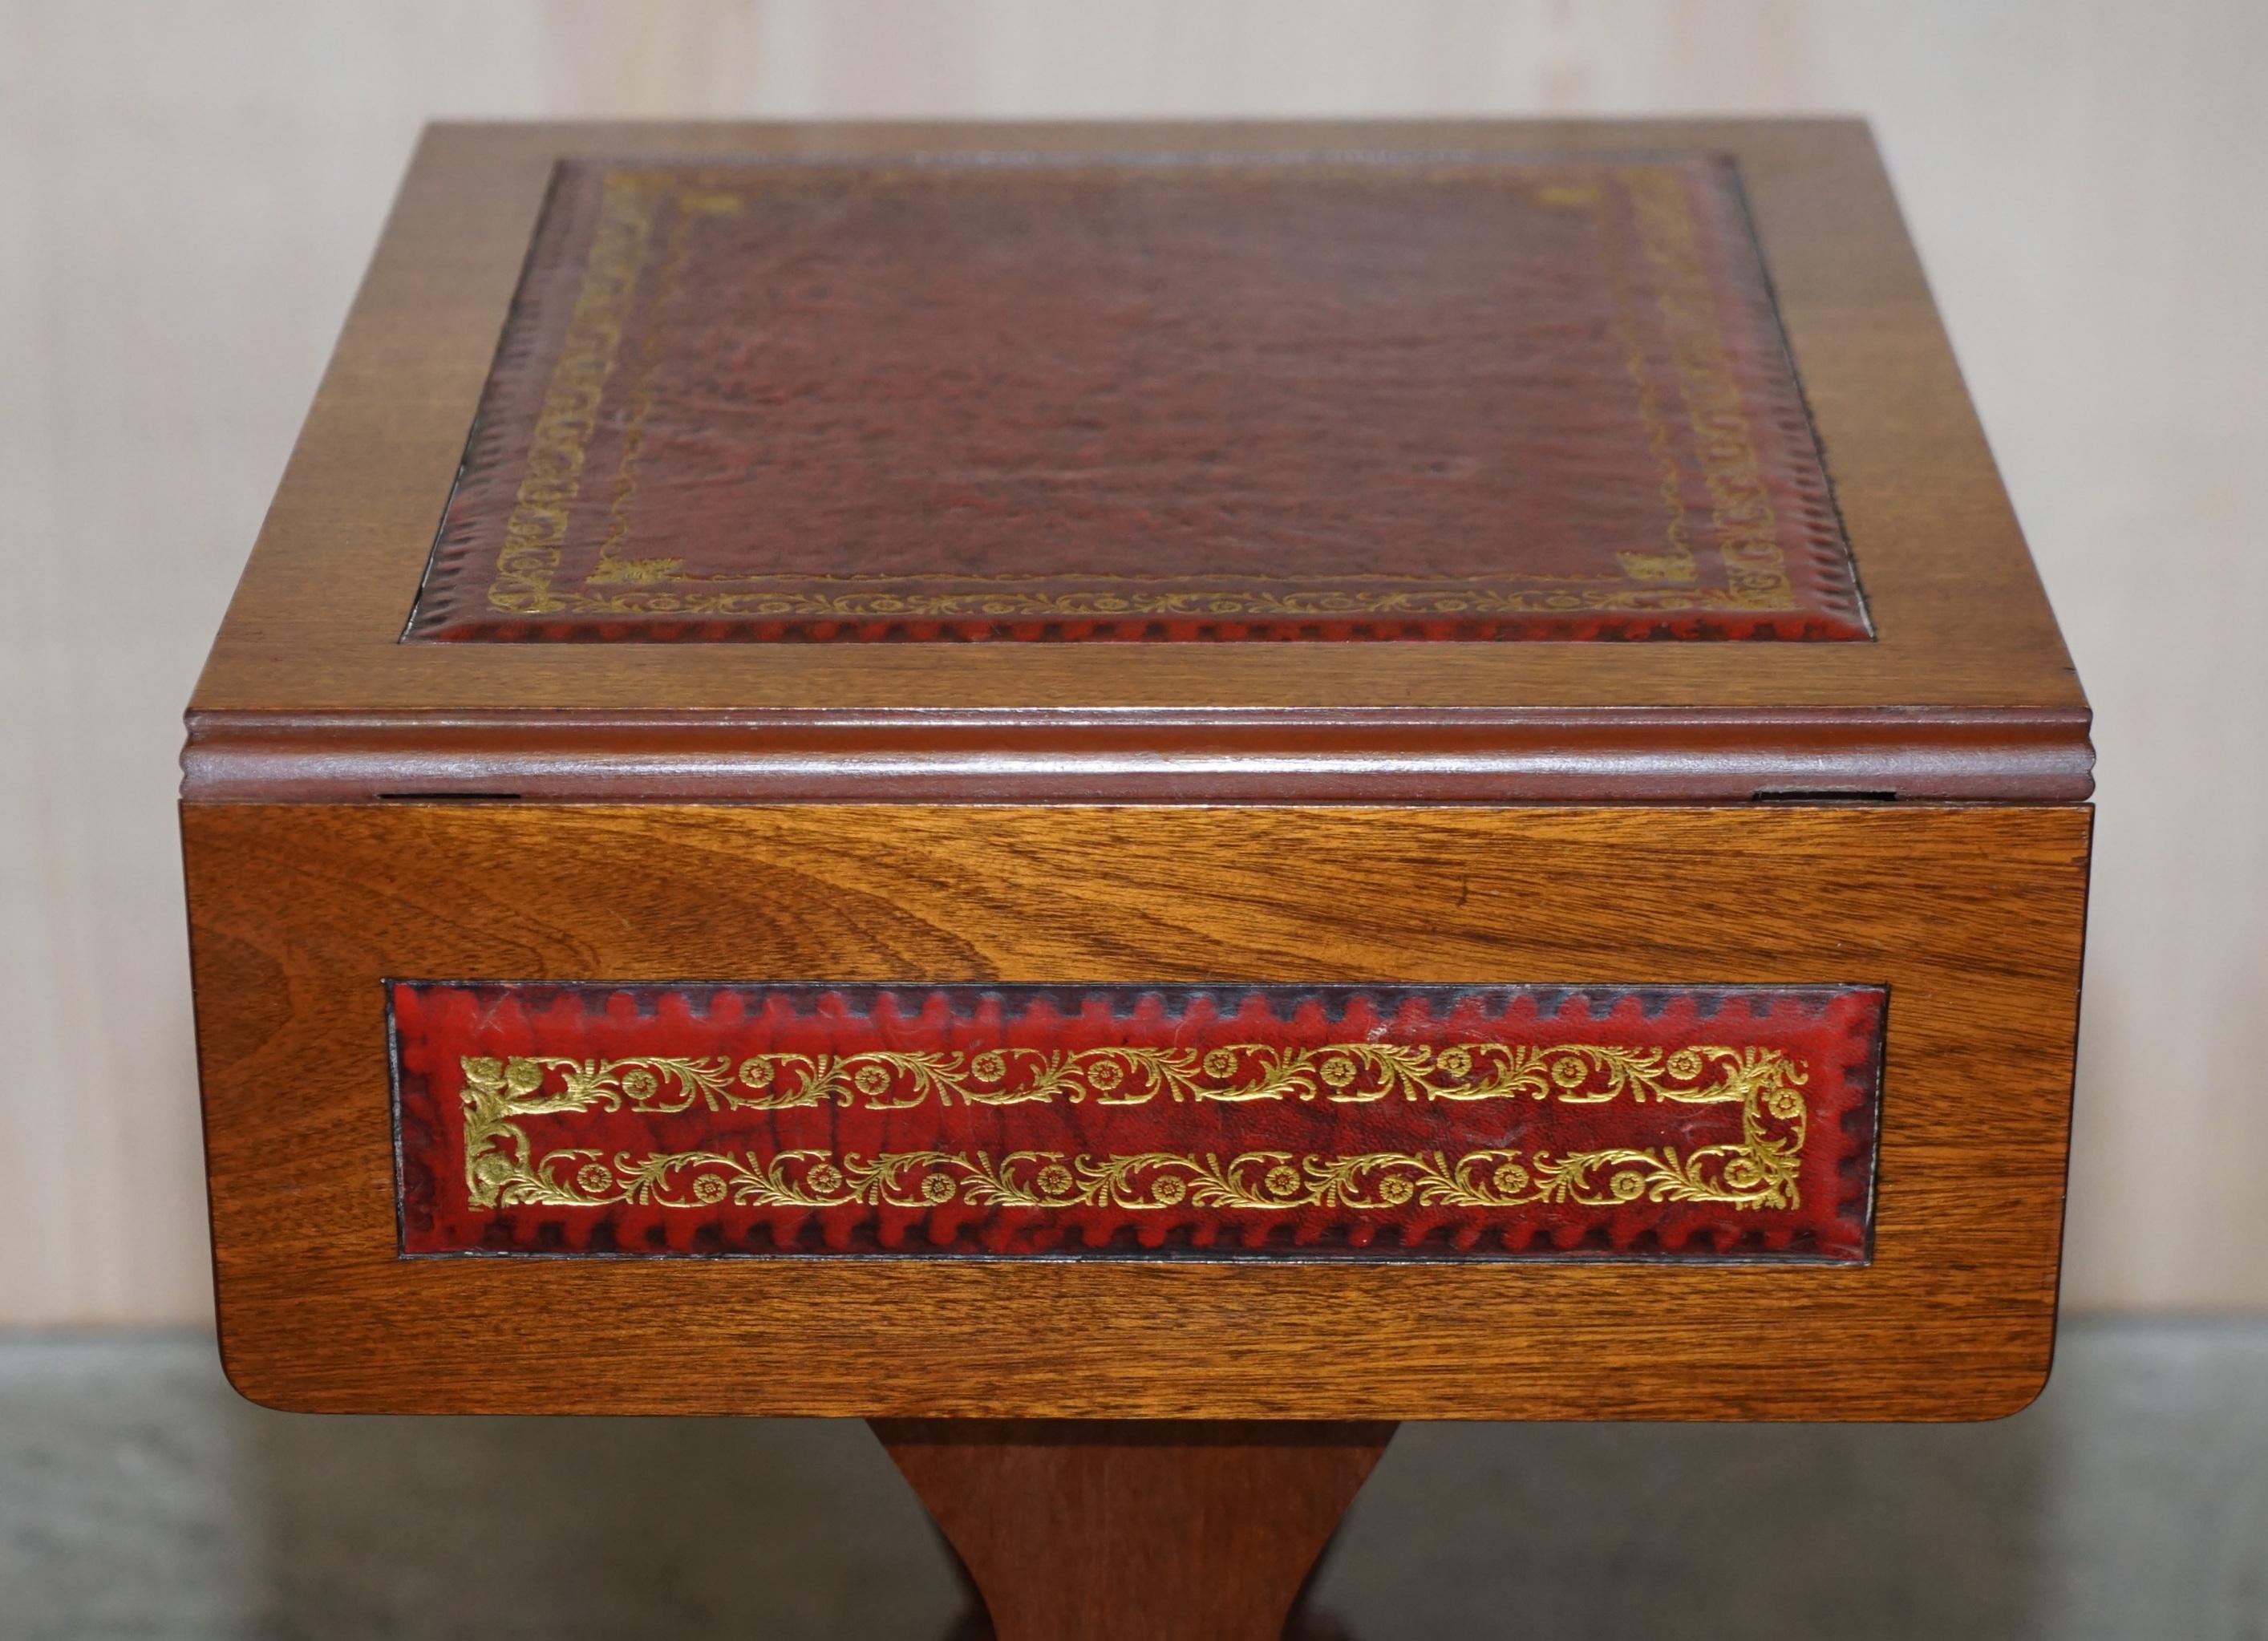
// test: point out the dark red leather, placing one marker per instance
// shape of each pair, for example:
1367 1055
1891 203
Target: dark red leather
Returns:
1319 397
1447 1122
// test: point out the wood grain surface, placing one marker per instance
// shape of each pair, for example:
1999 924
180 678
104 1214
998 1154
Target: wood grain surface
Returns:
1966 691
1117 1531
1971 915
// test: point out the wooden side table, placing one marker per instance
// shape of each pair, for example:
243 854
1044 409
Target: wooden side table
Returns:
1136 799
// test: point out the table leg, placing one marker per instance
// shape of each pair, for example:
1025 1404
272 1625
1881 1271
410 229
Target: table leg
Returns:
1109 1530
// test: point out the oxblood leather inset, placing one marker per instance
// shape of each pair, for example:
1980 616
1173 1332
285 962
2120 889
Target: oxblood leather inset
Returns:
1697 1122
1331 396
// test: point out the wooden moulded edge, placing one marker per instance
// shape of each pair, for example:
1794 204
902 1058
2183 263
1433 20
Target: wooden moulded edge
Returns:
1615 755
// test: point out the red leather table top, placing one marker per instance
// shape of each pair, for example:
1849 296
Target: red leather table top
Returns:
1003 398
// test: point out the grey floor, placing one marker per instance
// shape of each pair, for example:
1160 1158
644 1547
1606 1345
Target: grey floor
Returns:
139 1498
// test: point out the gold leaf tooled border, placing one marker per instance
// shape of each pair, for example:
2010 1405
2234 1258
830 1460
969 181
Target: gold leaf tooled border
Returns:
630 205
503 1169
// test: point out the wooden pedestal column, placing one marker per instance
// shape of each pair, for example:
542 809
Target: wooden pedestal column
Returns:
1144 1531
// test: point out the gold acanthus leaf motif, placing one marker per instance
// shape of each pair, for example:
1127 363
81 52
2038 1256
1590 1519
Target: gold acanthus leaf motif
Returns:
1344 1073
1756 1172
1471 597
502 1168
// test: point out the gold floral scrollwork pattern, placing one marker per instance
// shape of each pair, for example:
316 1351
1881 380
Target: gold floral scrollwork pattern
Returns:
620 296
536 531
1121 602
1740 505
1760 1169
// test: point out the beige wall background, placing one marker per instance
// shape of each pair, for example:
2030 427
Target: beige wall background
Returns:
188 191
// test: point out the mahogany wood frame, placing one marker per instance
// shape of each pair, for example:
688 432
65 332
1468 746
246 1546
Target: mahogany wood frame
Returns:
1971 915
1116 1531
915 865
1965 693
